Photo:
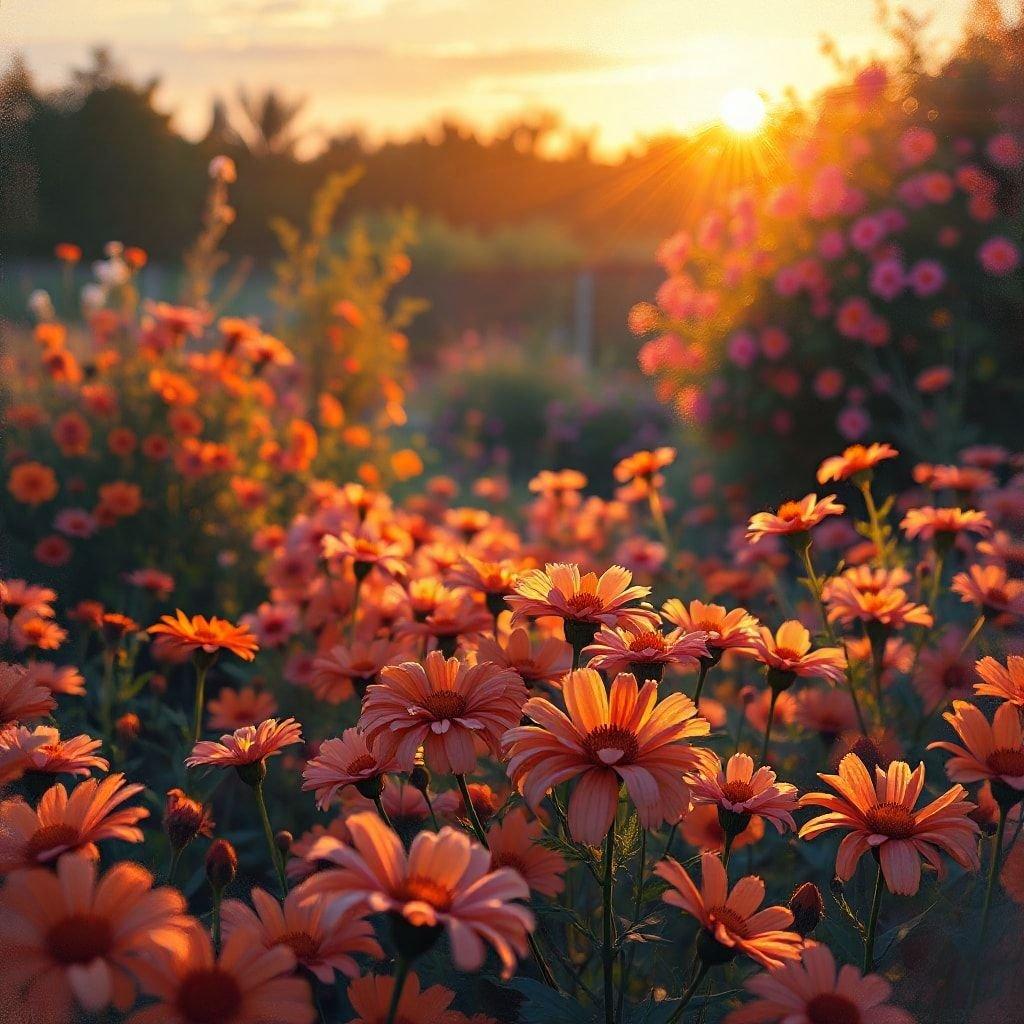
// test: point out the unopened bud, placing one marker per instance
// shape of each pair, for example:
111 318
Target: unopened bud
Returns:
419 778
807 908
221 864
371 788
284 840
184 819
128 726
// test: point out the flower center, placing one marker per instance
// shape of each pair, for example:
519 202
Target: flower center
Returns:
209 995
737 792
830 1008
790 511
735 923
892 820
50 837
583 606
444 704
611 744
1008 761
427 890
646 641
79 938
302 944
361 765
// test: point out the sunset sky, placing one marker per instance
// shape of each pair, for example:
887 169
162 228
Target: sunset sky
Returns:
390 67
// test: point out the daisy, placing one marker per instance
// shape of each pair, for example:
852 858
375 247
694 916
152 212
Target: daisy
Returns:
941 525
188 636
349 668
701 828
371 997
644 465
888 607
990 589
604 741
724 630
21 699
514 843
644 653
731 922
443 706
62 823
856 462
443 882
365 552
42 750
246 984
233 709
56 678
322 943
70 939
251 744
347 761
881 817
547 663
741 791
812 991
793 517
789 652
991 751
1005 683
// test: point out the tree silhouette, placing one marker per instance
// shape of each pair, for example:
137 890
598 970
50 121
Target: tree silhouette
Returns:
270 122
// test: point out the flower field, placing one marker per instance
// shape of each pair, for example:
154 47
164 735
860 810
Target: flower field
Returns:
303 722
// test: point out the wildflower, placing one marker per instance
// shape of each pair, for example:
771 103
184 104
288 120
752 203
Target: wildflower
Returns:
252 744
1006 683
22 699
72 938
210 636
644 653
855 463
740 791
812 989
443 706
990 589
731 922
944 672
723 630
604 741
184 819
32 483
349 668
941 525
371 998
233 709
794 517
514 843
321 941
42 750
62 824
788 653
887 608
546 664
991 751
348 761
881 817
443 882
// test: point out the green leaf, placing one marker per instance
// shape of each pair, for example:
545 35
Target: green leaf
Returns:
543 1005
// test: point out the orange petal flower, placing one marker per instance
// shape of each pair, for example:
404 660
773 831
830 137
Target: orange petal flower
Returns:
793 517
724 630
247 745
370 997
233 709
345 761
1005 683
514 843
789 650
741 790
855 460
930 523
990 751
211 636
21 699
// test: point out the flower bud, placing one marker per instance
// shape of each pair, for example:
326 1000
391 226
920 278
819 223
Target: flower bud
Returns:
419 778
128 726
184 819
807 908
221 864
284 840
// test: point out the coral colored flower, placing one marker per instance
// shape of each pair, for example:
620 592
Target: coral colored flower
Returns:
1006 683
32 483
888 607
793 517
346 668
990 589
366 552
443 706
322 942
492 579
514 843
371 996
55 678
247 984
731 918
931 523
560 590
724 630
856 460
70 939
346 761
22 699
211 636
444 880
42 750
645 653
247 745
741 790
701 828
990 751
233 709
603 741
880 817
546 664
812 991
789 651
68 824
826 711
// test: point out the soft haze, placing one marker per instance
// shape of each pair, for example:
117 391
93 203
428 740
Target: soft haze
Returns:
390 67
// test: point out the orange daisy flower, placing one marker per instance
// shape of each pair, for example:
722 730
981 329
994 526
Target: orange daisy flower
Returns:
741 791
248 745
789 651
991 751
66 824
603 741
724 630
444 881
322 943
186 636
21 699
70 939
989 587
246 984
793 517
888 607
1006 683
943 524
371 995
701 828
347 761
547 664
881 817
42 750
348 668
812 990
731 921
514 843
233 709
856 461
644 653
443 706
32 483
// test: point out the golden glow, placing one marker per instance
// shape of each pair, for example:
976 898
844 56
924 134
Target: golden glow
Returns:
743 111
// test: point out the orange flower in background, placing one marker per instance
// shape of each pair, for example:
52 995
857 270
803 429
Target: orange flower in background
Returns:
735 629
990 751
606 740
346 668
514 843
21 697
933 524
233 709
120 499
1006 683
32 483
186 635
445 881
371 997
731 919
444 706
742 790
789 651
72 939
990 589
856 461
68 824
645 653
881 816
349 760
701 828
67 252
558 483
42 750
247 984
544 663
889 607
793 517
247 745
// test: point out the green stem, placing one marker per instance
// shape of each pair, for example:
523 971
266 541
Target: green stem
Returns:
107 693
430 807
607 950
705 667
727 849
869 938
401 973
197 713
688 994
768 726
275 853
658 515
383 814
474 820
638 899
671 835
172 870
993 874
874 524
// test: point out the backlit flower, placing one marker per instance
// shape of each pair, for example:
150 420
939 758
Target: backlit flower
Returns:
233 709
545 662
42 750
347 668
346 761
371 996
742 790
514 843
990 751
724 630
793 517
934 524
211 636
21 699
789 651
644 653
855 461
888 607
247 745
1005 682
990 589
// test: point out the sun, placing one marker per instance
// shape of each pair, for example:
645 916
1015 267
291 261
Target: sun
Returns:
743 111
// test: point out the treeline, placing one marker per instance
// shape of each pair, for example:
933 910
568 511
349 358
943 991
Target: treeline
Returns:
97 160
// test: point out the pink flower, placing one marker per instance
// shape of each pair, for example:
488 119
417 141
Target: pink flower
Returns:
999 256
927 278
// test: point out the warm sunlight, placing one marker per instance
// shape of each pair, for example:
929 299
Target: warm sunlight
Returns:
742 110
